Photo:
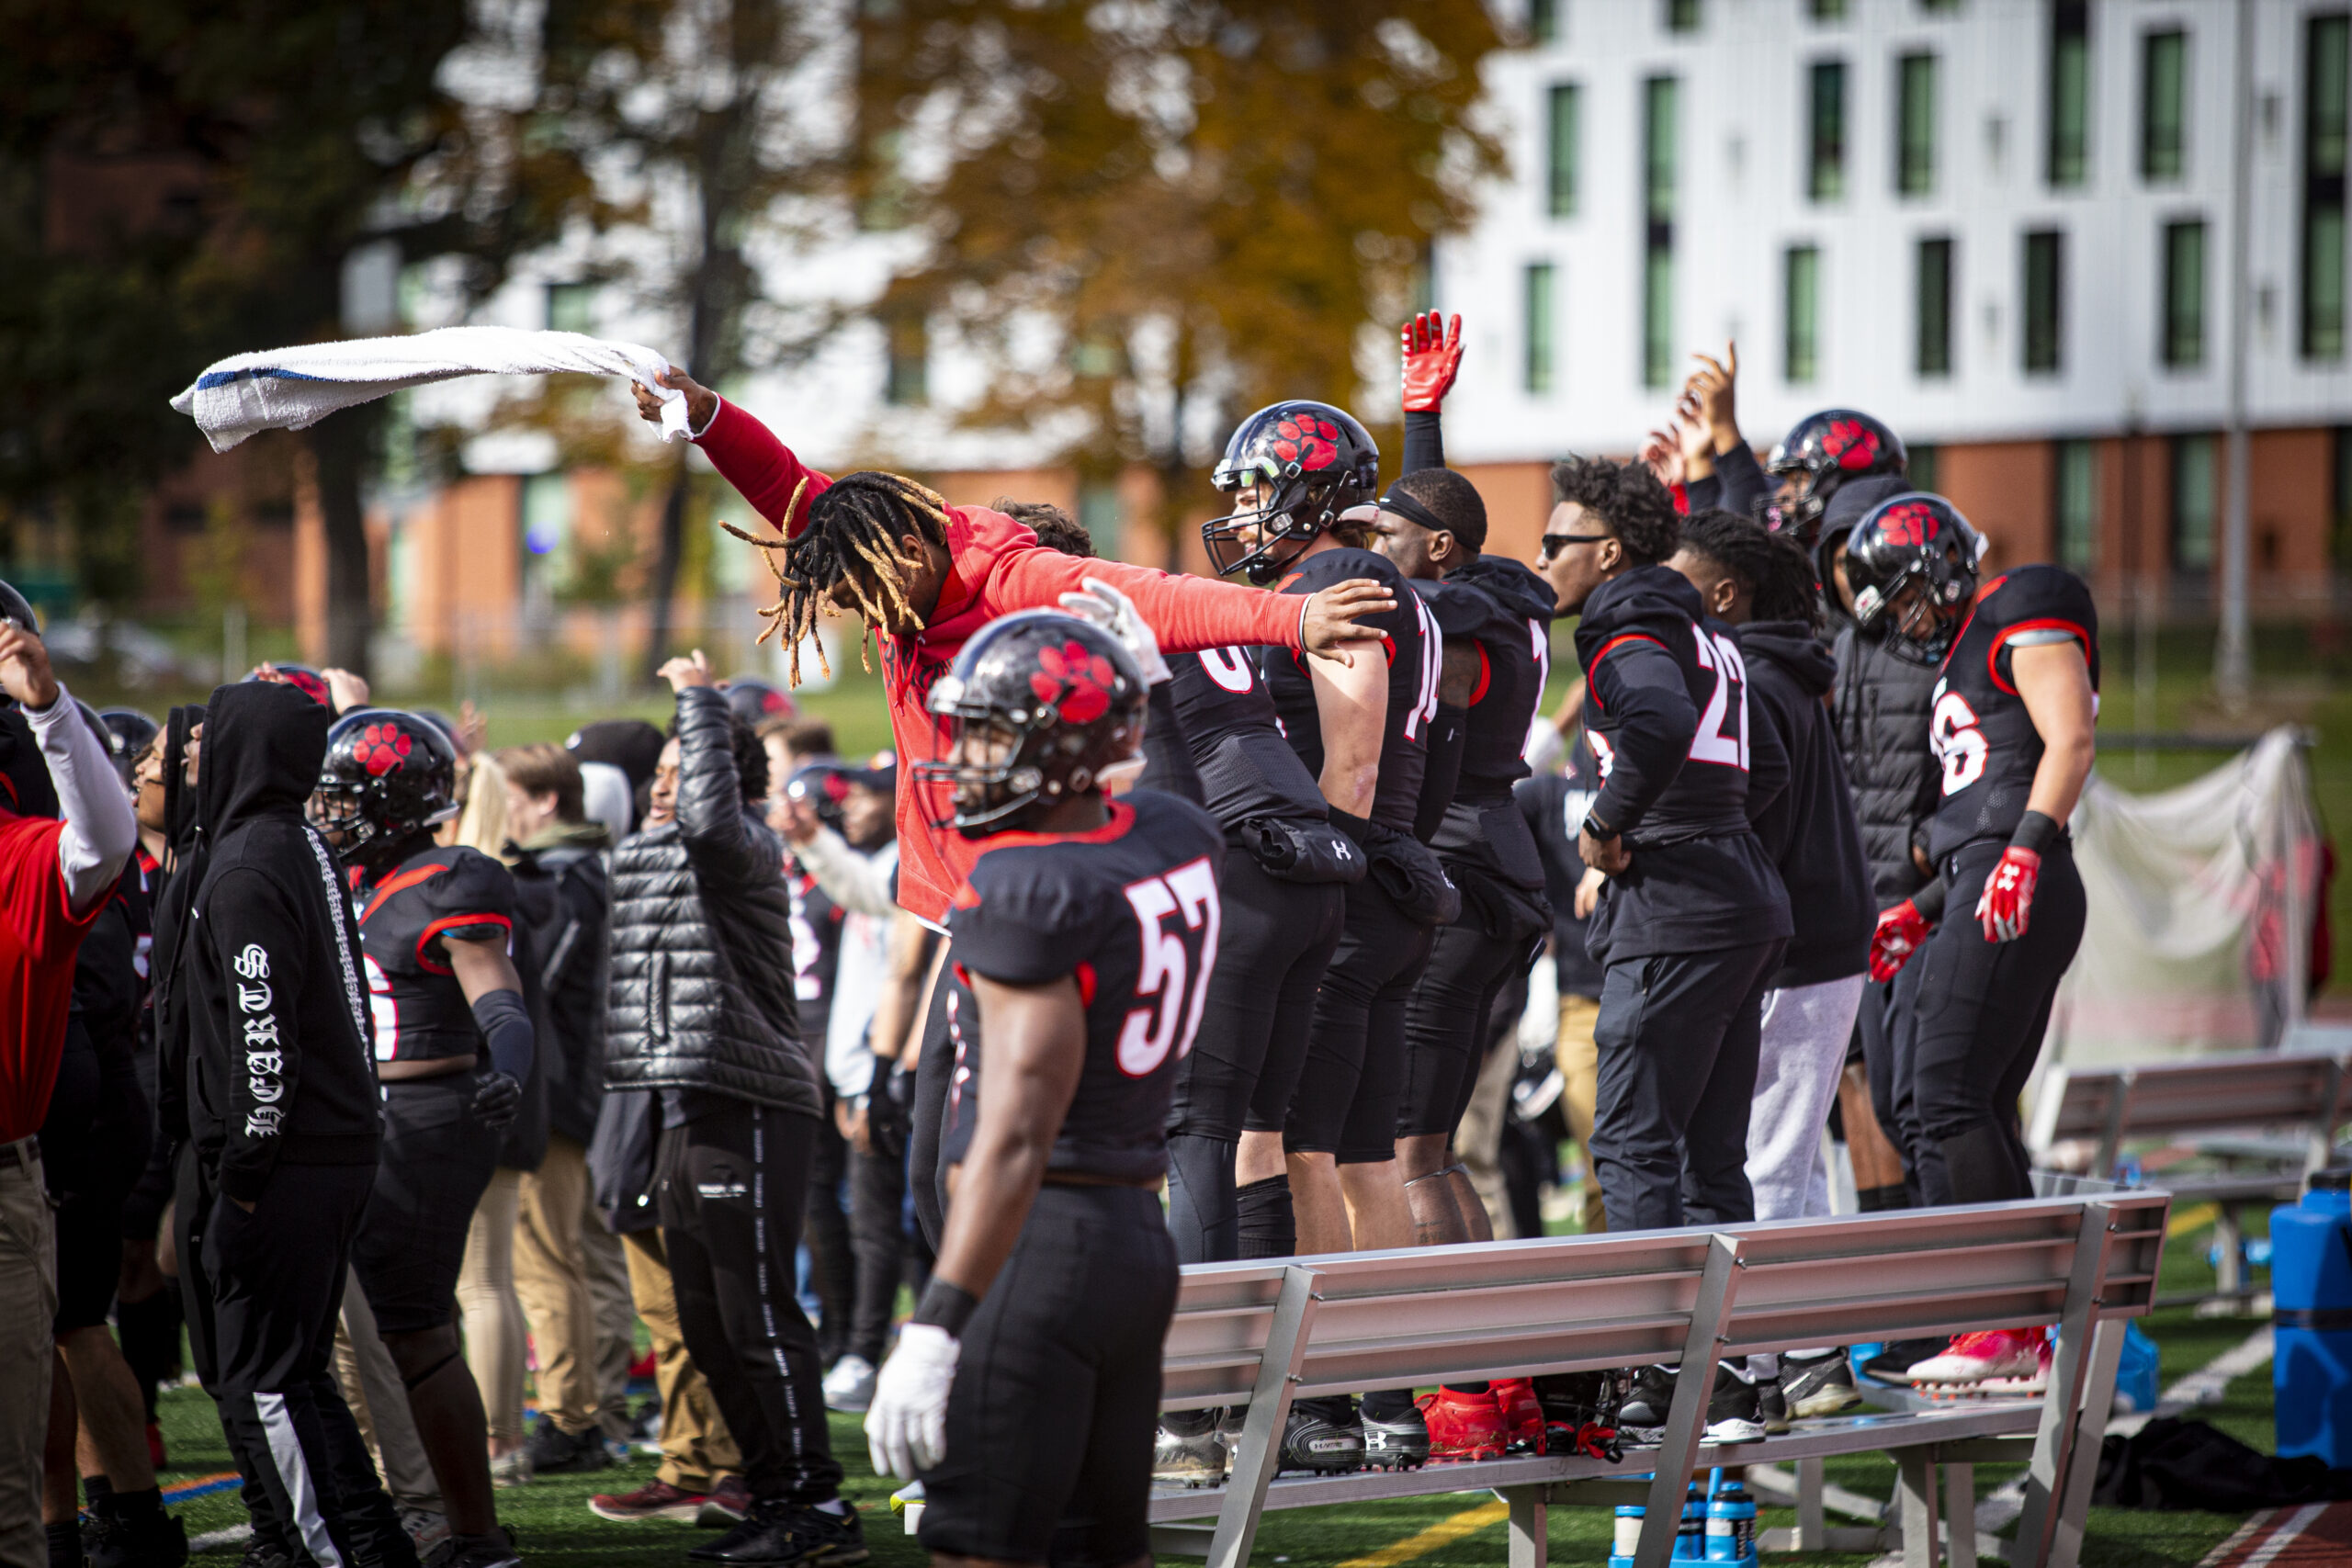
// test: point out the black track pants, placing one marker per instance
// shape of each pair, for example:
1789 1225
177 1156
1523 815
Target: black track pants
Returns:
1354 1077
1677 1037
877 1230
273 1281
733 1185
1983 1008
934 1075
833 1264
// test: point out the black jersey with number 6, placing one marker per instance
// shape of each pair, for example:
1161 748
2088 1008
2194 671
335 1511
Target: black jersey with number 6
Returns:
1683 772
406 917
1410 642
1982 734
1131 912
1248 770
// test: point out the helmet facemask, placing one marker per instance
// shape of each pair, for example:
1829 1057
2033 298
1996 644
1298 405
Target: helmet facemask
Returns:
1247 542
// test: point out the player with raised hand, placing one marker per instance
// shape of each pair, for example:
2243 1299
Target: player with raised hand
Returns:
2015 705
1025 1390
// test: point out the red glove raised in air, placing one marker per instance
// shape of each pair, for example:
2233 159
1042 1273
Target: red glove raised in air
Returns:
1432 359
1900 931
2007 903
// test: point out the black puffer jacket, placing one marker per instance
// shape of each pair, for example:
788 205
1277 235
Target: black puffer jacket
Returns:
702 977
1883 704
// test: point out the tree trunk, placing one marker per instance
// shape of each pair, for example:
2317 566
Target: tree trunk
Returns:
669 554
339 445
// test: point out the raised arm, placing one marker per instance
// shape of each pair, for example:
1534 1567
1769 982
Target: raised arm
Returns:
1432 355
1190 613
745 452
100 829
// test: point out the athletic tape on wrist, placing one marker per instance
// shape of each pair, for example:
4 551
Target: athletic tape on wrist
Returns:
2035 832
945 1306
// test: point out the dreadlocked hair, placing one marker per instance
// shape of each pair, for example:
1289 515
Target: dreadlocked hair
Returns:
1773 567
851 537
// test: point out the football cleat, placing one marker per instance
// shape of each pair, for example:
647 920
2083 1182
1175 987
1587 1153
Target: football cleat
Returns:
1324 1436
1395 1443
1975 1358
1641 1421
1772 1405
1461 1425
2029 1386
1523 1415
1189 1459
1895 1360
1820 1386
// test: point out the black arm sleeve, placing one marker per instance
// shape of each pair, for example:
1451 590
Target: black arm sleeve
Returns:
1167 759
1741 479
712 819
1424 442
262 943
1449 732
1640 684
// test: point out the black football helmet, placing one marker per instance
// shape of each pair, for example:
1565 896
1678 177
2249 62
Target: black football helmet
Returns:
754 699
1912 539
824 785
1823 451
1316 461
129 733
1041 703
18 611
303 679
389 777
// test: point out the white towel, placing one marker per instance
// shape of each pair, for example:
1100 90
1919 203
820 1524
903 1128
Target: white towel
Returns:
293 388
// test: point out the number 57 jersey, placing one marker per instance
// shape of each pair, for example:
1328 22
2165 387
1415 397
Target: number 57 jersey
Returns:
1130 912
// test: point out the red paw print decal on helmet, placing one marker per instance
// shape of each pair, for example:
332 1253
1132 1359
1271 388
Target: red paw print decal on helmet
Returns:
1313 443
1914 523
1849 444
1075 683
382 748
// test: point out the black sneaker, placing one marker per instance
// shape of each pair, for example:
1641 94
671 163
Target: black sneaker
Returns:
1772 1407
121 1538
554 1450
1323 1436
781 1534
1183 1455
1895 1359
494 1551
1641 1420
1396 1442
260 1553
1822 1385
1732 1415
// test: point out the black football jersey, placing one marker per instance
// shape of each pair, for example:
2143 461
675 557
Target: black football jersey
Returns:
1248 770
1414 649
1131 909
815 951
1982 734
1513 641
406 917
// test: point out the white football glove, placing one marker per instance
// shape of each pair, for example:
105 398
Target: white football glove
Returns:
905 1426
1116 613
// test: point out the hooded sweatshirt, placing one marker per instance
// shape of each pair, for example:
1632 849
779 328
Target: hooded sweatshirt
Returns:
1504 611
1810 831
279 1066
1685 770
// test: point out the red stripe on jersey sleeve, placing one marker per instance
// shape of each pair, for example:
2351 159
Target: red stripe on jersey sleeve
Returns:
1606 649
450 923
2047 624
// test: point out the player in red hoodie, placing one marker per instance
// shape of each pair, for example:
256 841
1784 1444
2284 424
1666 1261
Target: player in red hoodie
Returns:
923 576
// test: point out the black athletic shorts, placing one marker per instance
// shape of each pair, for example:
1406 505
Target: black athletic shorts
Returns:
1355 1078
1446 1017
437 1162
1057 1398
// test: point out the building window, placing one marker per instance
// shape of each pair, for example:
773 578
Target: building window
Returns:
1683 16
1825 132
546 510
1539 327
1940 7
2325 71
2163 105
1801 314
909 378
1544 21
1562 121
572 307
2067 161
2075 508
1099 514
2181 334
2045 283
1919 467
1660 107
2194 471
1826 10
1932 296
2339 533
1915 125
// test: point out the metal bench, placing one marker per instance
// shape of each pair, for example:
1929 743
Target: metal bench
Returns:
2269 1118
1261 1335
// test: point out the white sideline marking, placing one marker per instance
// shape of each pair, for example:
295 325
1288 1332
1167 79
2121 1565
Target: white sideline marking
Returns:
2284 1536
215 1540
2204 1386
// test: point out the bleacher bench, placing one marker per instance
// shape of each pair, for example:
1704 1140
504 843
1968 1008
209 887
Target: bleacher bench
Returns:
1261 1335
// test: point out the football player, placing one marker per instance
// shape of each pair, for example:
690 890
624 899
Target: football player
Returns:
1027 1387
454 1043
2015 703
1293 469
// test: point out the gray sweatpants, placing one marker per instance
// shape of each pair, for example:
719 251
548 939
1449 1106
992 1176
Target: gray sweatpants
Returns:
1799 1057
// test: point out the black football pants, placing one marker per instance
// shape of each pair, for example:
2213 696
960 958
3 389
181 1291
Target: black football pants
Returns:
1276 944
733 1186
833 1264
934 1075
1447 1018
1355 1078
271 1286
1676 1036
878 1231
1982 1007
1883 1029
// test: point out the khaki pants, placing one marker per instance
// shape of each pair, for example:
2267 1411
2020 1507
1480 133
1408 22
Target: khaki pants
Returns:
696 1449
379 1400
28 1307
551 1279
1579 1063
488 1310
607 1263
1480 1140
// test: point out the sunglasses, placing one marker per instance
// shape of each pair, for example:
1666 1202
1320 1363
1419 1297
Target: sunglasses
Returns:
1553 544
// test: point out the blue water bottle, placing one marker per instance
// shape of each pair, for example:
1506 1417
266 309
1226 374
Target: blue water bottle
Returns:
2311 1285
1690 1540
1629 1535
1730 1526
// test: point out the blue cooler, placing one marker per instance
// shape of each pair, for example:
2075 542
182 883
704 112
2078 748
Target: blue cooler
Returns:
2311 1284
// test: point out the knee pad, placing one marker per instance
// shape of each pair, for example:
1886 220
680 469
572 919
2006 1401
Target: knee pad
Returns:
1268 1227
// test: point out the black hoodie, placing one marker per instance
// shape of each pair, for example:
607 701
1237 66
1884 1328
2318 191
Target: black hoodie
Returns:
1810 832
279 1061
1685 770
1505 611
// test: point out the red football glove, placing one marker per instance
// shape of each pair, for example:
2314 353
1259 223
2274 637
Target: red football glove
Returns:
1900 931
2007 902
1432 359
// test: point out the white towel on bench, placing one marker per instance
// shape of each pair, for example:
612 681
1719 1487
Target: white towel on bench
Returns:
293 388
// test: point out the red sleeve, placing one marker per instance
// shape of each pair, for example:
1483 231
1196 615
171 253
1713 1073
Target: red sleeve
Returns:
1187 613
32 888
747 454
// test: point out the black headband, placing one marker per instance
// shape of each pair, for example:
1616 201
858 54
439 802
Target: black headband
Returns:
1412 511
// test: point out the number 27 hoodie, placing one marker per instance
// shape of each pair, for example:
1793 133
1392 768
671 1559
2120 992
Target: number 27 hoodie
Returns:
280 1069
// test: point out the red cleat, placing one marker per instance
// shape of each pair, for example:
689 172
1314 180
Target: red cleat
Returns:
1462 1426
1522 1416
